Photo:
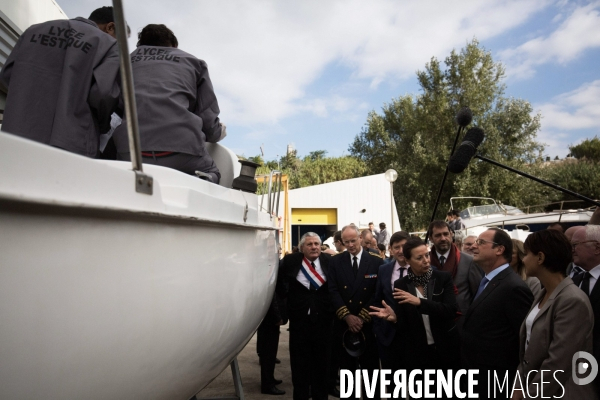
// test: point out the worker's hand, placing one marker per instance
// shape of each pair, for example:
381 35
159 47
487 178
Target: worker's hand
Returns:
223 132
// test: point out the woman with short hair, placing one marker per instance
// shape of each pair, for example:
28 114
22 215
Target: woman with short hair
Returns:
558 326
426 313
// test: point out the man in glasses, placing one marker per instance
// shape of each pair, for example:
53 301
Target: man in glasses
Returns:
467 245
490 334
586 254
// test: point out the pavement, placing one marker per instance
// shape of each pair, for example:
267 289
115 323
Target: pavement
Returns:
222 386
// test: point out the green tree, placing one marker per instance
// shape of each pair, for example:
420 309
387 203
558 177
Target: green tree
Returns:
317 155
589 149
257 159
414 135
315 168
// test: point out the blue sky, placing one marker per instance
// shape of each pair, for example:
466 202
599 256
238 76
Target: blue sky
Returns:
308 72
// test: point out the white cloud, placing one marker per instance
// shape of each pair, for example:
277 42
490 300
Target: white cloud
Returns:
570 115
263 55
577 33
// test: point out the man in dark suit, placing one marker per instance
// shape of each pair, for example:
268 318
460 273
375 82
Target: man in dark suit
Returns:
445 256
352 280
586 254
303 282
385 331
267 342
490 334
366 240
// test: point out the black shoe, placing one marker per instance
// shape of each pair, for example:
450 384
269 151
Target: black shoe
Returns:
277 381
273 390
277 360
334 392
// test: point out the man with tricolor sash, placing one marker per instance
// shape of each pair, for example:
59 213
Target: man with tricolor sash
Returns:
302 282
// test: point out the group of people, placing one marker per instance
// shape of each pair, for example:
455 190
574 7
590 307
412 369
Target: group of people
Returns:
64 90
506 308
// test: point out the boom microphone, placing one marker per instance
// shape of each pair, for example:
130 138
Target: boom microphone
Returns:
464 117
467 149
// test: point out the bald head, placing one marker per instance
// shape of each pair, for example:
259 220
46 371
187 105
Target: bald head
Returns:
366 238
571 231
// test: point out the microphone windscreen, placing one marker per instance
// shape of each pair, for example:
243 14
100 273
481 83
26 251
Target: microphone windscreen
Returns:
467 149
464 116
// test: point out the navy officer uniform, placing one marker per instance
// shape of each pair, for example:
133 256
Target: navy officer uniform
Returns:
352 292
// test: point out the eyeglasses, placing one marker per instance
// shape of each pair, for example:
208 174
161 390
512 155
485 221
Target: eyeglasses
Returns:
575 244
479 242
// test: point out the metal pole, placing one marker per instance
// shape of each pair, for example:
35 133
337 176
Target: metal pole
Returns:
439 195
392 205
127 87
143 182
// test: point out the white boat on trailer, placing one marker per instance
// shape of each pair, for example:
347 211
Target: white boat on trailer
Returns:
490 213
109 292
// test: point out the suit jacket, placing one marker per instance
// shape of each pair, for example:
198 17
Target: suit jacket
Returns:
467 279
562 327
595 302
441 307
490 334
384 330
350 295
299 299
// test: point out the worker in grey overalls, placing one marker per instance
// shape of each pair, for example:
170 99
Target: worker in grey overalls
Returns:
62 82
177 107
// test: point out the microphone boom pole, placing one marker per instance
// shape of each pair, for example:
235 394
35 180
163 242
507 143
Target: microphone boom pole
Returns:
526 175
463 118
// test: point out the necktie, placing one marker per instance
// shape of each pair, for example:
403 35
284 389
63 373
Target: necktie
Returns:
585 283
355 266
484 281
577 270
312 288
442 260
402 272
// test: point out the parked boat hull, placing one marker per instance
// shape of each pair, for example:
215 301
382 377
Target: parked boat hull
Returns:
106 293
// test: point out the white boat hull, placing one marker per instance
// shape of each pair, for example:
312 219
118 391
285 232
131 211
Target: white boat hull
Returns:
145 301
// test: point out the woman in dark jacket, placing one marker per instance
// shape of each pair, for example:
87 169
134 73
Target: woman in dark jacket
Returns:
426 314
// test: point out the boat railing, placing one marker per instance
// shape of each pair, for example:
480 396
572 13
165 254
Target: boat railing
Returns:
143 182
272 190
510 219
561 204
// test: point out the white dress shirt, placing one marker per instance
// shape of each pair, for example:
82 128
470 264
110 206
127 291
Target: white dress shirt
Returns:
397 273
594 275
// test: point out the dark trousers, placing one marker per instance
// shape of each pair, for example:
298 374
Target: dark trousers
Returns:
310 342
267 342
368 360
186 163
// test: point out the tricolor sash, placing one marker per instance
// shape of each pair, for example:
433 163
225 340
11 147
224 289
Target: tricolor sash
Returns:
315 279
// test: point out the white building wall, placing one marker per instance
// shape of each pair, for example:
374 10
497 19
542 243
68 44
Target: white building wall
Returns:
24 13
350 197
